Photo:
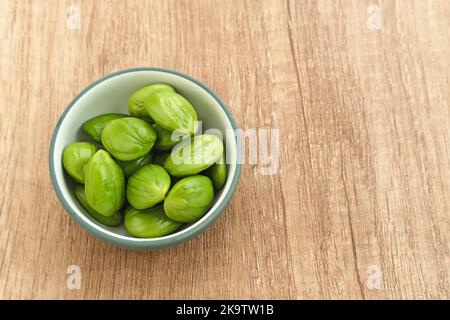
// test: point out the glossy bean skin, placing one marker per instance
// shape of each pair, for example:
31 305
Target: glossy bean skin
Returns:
130 167
110 221
172 111
159 159
218 173
149 223
189 199
148 186
94 127
136 101
193 156
104 184
75 157
164 140
128 138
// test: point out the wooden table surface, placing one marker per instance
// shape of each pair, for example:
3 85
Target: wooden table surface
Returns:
359 91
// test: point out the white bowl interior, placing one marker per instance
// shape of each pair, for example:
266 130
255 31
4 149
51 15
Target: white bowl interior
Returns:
111 96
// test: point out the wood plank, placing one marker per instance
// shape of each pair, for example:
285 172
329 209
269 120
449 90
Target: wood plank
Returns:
363 117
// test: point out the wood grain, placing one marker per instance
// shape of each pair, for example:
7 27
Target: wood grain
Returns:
364 120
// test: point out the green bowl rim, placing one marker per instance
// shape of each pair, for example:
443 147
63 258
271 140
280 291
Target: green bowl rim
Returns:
154 243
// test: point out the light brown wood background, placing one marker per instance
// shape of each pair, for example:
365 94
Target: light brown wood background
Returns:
364 120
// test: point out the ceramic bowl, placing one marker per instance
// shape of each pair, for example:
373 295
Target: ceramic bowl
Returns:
110 95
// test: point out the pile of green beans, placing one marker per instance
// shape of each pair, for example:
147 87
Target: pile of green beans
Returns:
136 171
